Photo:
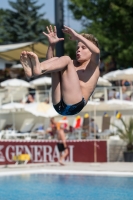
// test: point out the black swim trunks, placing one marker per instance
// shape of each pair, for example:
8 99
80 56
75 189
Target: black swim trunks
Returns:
64 109
61 147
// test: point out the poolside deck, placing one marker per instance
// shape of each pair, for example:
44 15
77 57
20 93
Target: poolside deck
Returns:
117 168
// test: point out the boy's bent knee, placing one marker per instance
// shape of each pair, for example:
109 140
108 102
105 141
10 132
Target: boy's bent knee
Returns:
67 58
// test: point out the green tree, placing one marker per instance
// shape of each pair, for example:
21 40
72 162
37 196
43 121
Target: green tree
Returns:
111 22
69 47
23 23
2 14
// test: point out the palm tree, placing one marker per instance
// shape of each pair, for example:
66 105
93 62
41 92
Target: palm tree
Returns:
127 133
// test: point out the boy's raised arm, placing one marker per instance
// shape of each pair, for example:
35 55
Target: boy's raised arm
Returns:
93 48
53 39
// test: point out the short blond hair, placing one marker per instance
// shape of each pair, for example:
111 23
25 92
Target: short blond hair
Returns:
91 38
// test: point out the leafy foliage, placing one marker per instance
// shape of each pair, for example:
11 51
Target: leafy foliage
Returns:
23 23
2 14
111 22
70 47
127 133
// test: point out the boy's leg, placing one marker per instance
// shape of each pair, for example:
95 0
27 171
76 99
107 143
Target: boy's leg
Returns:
27 65
70 86
51 59
56 87
63 156
48 66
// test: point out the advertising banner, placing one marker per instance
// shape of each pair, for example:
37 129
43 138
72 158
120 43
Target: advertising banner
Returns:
42 151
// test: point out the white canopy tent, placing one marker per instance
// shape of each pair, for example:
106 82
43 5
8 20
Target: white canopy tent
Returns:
8 47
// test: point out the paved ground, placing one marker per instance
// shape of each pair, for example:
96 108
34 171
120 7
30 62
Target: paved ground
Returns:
117 168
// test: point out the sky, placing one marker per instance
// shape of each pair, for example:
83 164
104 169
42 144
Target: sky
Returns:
48 9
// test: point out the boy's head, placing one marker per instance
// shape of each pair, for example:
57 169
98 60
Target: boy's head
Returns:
91 38
83 53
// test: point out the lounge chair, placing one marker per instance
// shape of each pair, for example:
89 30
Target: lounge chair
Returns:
105 123
105 132
37 126
24 130
85 126
37 131
27 125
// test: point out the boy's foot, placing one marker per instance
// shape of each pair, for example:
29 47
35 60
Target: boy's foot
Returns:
35 63
26 63
61 163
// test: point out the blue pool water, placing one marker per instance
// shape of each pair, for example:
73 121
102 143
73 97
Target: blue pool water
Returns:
65 187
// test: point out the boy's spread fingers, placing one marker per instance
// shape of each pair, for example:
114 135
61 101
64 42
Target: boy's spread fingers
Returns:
55 31
51 29
45 33
66 27
48 29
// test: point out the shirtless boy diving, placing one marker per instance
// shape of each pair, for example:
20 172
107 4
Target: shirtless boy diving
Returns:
73 81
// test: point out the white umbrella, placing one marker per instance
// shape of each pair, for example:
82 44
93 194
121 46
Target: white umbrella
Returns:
126 74
15 83
17 66
113 104
112 76
17 88
41 81
12 106
103 82
41 109
90 106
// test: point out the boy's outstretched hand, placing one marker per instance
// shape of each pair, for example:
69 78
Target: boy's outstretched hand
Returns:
73 35
52 35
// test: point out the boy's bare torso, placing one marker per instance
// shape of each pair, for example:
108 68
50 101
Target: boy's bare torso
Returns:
61 136
88 75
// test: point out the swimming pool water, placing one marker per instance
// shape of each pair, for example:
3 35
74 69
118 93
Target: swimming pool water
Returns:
62 187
